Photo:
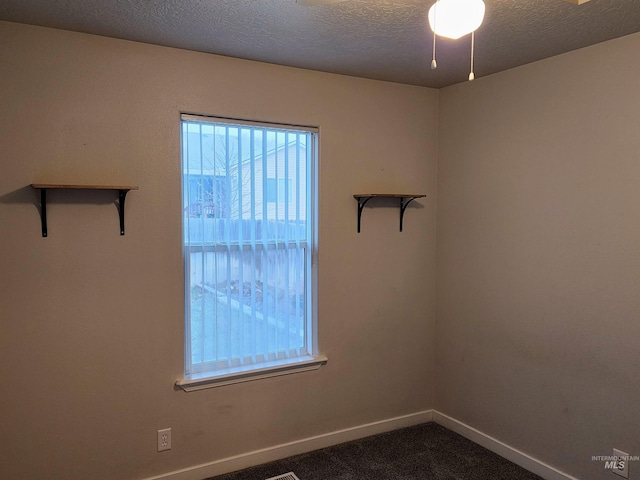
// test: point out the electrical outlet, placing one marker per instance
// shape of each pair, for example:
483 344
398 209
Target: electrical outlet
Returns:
621 467
164 439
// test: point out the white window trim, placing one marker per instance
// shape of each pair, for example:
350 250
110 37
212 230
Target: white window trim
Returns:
231 376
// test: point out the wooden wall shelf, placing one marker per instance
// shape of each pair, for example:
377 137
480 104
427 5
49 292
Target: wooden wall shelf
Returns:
405 200
43 187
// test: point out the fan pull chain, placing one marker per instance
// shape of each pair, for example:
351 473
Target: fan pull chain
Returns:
473 38
434 64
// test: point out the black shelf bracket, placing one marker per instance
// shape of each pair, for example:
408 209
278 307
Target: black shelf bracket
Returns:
43 211
122 195
362 201
404 203
405 200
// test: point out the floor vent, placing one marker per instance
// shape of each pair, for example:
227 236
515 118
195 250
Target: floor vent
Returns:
285 476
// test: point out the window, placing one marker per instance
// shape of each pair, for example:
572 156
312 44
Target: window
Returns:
249 215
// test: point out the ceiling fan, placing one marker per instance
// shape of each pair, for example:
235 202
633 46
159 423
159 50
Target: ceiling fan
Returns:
455 18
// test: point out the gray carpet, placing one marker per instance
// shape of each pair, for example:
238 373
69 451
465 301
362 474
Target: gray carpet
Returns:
423 452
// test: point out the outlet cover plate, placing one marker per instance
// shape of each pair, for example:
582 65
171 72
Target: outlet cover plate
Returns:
164 439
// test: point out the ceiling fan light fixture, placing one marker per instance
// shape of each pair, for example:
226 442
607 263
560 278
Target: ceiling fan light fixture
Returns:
456 18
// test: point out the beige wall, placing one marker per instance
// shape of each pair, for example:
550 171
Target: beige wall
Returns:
539 256
91 330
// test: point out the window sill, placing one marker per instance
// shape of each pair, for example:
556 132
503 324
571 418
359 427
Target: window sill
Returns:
231 376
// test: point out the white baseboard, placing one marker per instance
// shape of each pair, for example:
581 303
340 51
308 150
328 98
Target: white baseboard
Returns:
257 457
277 452
496 446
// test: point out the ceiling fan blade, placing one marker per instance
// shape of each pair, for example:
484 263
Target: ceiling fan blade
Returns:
314 3
577 2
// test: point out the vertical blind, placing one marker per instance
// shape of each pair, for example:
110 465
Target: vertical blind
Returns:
247 215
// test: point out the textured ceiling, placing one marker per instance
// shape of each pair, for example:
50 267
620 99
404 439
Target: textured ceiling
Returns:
379 39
